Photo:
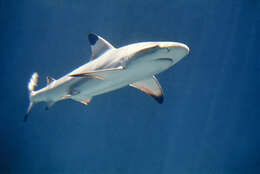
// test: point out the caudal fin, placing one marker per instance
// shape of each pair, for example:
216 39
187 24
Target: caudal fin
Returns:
31 87
33 82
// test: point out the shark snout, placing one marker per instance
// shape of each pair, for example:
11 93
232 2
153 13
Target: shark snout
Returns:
174 45
174 50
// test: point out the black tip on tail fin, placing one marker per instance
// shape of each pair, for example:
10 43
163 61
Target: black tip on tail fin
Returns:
28 111
26 117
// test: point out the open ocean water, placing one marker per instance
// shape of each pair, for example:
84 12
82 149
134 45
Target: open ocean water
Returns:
209 121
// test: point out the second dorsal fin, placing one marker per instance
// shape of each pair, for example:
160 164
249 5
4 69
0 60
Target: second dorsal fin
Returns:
98 45
49 79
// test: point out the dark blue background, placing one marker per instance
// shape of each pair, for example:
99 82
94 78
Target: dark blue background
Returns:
209 122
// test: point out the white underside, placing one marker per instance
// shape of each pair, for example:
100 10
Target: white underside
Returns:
119 79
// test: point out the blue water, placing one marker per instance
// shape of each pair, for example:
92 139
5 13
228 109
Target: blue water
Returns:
208 123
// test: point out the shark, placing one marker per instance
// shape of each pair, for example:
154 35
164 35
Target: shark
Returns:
109 69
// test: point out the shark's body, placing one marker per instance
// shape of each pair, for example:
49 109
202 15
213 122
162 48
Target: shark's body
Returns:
109 69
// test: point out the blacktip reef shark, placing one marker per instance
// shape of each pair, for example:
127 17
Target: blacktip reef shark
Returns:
109 69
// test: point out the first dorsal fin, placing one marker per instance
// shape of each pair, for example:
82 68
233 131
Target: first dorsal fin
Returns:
98 45
49 79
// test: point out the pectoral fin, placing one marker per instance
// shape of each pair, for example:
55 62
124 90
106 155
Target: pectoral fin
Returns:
98 74
150 86
88 75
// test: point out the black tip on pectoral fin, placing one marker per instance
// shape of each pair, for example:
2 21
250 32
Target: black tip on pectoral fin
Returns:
159 99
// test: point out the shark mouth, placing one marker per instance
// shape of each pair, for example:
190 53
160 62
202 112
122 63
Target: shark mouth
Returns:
164 59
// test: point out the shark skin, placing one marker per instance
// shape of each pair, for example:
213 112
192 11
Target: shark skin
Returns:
109 69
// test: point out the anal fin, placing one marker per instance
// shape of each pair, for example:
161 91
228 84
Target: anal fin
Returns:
85 102
49 105
82 99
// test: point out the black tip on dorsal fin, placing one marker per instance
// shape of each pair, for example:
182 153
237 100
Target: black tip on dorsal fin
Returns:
92 38
98 45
